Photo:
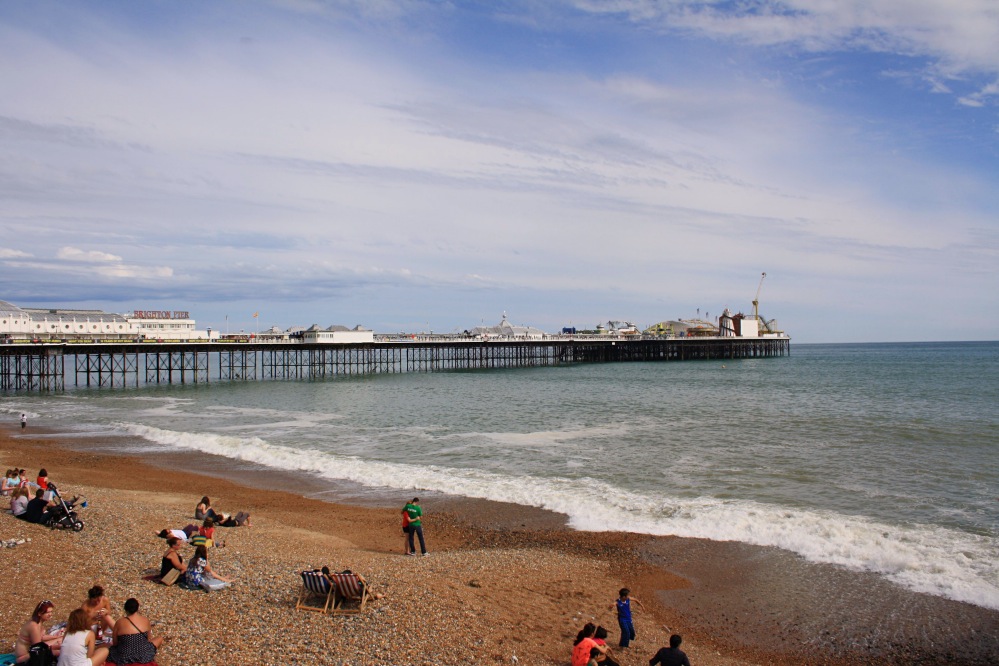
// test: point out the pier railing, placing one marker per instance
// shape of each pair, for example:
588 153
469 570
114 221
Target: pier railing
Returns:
51 367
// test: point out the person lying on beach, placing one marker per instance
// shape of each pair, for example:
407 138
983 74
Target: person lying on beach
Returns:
98 608
171 558
183 534
79 645
132 641
19 502
32 632
360 579
199 572
241 519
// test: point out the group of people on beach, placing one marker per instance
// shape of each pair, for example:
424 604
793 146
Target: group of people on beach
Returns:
89 637
29 500
591 649
197 573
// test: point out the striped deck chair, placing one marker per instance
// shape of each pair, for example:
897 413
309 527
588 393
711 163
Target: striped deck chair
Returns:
315 585
349 590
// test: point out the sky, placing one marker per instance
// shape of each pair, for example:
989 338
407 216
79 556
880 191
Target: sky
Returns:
415 165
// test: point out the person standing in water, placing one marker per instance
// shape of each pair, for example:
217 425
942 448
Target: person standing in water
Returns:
24 420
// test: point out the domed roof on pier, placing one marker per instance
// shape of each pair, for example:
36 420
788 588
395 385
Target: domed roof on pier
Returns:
505 329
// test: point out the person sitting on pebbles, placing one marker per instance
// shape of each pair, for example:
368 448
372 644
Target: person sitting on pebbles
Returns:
199 573
98 608
171 558
33 632
79 645
132 641
204 510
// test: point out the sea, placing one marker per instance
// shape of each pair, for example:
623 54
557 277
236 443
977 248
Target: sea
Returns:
874 457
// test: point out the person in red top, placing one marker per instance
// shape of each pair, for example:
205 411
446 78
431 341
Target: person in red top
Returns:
600 638
405 532
584 644
43 479
207 529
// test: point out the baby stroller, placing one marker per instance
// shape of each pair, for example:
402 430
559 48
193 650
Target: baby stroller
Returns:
63 514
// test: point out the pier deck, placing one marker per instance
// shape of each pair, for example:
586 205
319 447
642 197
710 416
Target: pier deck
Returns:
49 367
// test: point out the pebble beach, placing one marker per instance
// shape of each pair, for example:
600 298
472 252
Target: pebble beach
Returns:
502 584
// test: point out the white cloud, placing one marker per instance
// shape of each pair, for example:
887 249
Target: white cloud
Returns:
121 271
7 253
978 99
960 35
76 254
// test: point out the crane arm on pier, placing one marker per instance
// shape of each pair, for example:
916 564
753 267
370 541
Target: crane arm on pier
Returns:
756 300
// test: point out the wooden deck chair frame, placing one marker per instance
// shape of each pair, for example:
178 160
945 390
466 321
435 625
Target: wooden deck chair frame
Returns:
349 590
315 585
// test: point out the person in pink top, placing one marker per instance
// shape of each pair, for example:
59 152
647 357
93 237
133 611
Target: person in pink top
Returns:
584 645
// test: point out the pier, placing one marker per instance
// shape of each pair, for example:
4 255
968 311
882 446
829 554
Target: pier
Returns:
53 366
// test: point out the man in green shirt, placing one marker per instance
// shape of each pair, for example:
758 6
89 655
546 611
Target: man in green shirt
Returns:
415 526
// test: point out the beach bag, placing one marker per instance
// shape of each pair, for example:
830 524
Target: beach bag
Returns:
40 654
171 577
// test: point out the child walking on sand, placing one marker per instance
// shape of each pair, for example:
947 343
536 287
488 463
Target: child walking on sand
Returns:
623 605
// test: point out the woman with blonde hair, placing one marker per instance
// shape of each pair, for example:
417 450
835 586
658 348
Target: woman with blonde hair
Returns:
19 501
79 645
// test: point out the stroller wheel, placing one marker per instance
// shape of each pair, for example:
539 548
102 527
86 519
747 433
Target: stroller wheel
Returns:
78 526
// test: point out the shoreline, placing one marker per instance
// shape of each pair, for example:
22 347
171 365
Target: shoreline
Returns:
733 603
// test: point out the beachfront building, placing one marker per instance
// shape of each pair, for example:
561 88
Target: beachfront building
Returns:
17 323
58 324
507 331
167 325
337 334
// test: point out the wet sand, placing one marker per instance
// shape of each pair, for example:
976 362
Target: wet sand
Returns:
501 580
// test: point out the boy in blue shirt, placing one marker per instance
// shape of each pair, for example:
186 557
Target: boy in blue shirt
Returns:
623 605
